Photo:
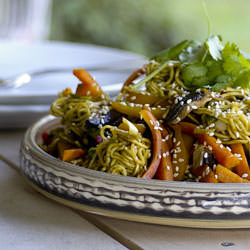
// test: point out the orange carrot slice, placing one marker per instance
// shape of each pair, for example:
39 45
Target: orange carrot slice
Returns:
88 87
132 77
227 176
222 154
71 154
157 143
204 173
243 168
209 178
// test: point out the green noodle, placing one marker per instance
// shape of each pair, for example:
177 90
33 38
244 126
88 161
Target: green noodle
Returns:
121 153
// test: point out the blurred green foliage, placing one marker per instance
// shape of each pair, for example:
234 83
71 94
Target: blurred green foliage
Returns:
147 26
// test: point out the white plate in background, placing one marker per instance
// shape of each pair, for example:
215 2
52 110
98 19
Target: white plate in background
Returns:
21 107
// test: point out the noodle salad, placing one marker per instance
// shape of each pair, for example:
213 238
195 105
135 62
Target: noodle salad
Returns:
183 116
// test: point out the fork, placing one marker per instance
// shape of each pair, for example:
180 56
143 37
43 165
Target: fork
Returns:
16 81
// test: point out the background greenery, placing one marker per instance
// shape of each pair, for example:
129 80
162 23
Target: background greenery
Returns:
147 26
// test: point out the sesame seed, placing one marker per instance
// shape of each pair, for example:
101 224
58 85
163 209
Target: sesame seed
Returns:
198 179
207 170
177 169
177 150
165 154
201 161
244 175
181 160
178 119
218 141
176 174
237 155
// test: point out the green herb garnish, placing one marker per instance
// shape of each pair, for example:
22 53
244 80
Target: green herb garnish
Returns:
210 64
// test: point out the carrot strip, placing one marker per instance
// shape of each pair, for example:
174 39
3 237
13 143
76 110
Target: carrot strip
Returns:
227 176
88 87
243 168
71 154
209 178
204 175
157 146
62 146
180 154
132 77
165 169
222 154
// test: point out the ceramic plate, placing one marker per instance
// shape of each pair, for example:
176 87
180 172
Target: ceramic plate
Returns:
185 204
21 107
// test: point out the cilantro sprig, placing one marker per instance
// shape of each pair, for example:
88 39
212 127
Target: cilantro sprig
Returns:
210 64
